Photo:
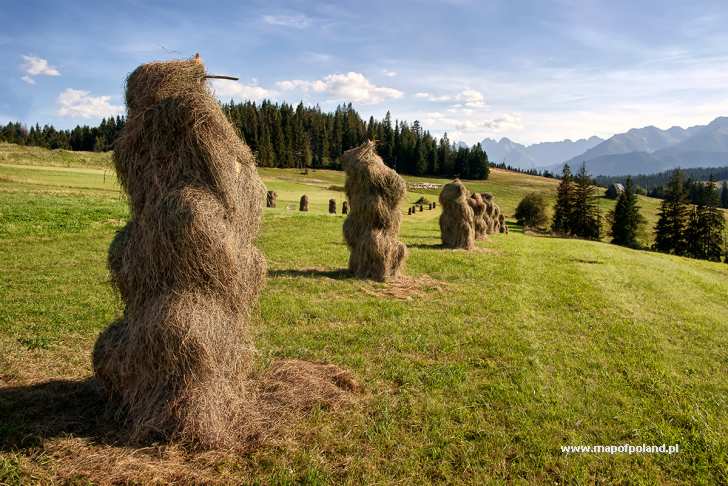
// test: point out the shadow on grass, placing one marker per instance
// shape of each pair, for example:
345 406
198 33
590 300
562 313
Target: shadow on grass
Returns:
337 274
56 408
426 246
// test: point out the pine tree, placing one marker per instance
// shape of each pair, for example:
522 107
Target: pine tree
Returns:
586 219
564 206
673 216
625 218
704 233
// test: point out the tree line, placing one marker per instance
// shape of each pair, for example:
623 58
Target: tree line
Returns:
691 226
282 135
98 139
656 185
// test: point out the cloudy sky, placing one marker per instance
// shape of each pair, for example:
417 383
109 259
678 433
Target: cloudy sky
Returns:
531 70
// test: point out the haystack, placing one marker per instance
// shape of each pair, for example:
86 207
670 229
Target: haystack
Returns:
375 192
478 207
177 365
270 199
496 218
303 203
502 223
457 226
344 207
332 206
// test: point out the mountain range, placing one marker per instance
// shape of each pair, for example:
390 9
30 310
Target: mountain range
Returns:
537 155
638 151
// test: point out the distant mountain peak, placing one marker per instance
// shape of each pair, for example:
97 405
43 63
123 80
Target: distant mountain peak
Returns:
650 149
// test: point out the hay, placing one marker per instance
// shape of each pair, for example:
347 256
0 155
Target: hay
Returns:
479 224
303 203
270 199
332 206
344 207
177 366
456 221
503 227
375 192
496 215
409 211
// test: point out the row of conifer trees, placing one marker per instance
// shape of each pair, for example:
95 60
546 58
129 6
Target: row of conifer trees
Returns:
693 230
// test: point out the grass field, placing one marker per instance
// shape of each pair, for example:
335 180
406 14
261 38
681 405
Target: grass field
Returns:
479 374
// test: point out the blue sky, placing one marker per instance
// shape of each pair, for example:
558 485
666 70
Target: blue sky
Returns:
529 70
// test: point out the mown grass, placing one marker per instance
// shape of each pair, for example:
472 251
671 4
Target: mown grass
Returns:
529 344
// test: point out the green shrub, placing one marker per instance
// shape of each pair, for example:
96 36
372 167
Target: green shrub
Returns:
531 211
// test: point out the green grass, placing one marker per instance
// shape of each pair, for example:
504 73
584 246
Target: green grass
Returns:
530 344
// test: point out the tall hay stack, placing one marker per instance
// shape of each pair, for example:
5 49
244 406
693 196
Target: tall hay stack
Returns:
270 199
488 216
478 206
496 218
344 207
332 206
177 366
457 225
374 192
502 223
303 203
185 264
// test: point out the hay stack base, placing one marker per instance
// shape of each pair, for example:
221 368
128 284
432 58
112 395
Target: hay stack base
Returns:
371 229
457 225
177 365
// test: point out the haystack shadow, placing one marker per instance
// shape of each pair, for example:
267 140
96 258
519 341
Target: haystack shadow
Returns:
57 408
335 274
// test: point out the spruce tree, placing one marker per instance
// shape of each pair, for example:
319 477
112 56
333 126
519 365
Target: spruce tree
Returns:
586 219
673 217
724 195
564 203
704 233
625 218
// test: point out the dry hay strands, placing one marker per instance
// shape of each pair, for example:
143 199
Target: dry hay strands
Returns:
479 224
502 223
344 207
457 226
270 199
303 203
178 365
371 229
404 287
332 206
497 218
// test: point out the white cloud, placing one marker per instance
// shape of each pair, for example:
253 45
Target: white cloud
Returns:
36 66
430 97
79 103
299 21
224 88
472 98
351 86
388 73
469 97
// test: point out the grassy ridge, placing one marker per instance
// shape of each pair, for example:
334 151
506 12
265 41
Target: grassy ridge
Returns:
481 373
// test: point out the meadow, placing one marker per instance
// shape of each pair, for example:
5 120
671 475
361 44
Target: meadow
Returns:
480 371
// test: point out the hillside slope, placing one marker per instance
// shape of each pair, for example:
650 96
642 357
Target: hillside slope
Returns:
478 369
